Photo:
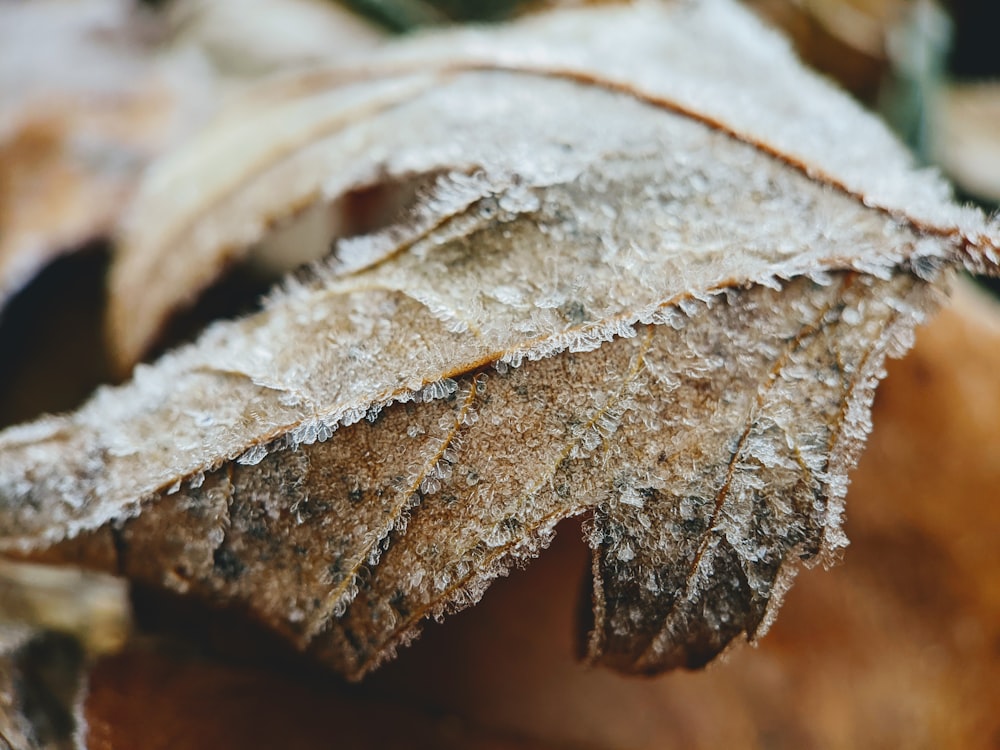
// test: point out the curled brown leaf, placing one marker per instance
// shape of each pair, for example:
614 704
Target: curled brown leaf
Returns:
453 103
908 620
638 295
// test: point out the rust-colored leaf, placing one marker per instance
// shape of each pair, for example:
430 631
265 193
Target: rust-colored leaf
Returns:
159 699
625 288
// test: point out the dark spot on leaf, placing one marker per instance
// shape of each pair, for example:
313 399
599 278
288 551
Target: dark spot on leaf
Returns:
227 564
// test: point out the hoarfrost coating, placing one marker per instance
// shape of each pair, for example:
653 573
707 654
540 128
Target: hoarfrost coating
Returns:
598 304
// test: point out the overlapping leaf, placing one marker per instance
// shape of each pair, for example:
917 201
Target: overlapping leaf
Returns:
653 294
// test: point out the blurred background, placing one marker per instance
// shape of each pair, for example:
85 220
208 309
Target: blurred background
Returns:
91 91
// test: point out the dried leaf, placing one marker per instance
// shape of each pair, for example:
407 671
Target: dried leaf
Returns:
85 104
303 144
909 621
612 295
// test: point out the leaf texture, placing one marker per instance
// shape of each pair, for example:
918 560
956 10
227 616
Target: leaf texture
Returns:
40 677
610 296
309 140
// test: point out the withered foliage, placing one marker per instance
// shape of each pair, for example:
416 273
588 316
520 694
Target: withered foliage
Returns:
604 271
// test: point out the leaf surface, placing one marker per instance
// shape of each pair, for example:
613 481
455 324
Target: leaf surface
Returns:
307 141
603 300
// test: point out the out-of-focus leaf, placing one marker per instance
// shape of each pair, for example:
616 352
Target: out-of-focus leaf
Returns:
245 39
84 105
160 699
845 39
965 137
91 607
15 729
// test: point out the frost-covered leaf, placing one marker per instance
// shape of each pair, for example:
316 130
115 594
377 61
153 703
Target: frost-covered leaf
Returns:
965 139
303 146
634 282
909 620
